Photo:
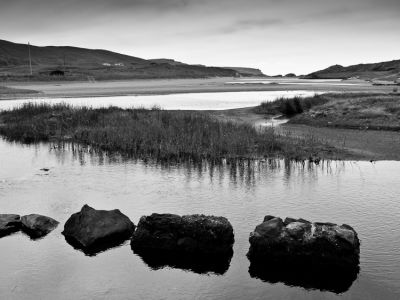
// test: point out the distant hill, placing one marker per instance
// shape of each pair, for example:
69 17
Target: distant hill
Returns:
389 70
166 61
12 54
72 63
248 71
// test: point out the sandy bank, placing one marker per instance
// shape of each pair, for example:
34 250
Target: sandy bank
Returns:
174 86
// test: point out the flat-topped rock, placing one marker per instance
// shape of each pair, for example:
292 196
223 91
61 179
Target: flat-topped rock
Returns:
37 226
198 243
190 234
94 230
296 239
9 223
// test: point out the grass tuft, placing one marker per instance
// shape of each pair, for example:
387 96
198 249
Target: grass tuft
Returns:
290 106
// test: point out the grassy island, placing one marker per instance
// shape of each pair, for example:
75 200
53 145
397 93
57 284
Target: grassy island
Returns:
154 133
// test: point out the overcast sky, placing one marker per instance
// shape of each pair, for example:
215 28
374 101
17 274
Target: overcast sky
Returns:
278 36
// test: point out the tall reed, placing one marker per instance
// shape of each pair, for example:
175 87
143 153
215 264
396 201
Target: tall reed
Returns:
140 132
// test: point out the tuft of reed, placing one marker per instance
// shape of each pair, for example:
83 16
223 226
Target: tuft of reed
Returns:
290 106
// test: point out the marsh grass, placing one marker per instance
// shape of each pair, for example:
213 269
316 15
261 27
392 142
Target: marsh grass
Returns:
155 133
138 132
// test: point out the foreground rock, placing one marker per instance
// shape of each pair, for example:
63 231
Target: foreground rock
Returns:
9 223
194 242
312 255
37 226
94 230
192 234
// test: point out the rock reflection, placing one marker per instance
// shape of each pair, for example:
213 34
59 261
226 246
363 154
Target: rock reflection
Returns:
201 264
332 278
95 250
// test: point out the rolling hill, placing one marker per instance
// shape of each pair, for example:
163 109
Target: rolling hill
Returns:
73 63
389 71
249 72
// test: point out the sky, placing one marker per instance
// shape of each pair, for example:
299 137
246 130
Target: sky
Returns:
276 36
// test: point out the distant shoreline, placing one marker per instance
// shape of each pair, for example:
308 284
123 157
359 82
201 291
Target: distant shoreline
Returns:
168 86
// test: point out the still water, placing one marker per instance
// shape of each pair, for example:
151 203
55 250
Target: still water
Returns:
362 194
190 101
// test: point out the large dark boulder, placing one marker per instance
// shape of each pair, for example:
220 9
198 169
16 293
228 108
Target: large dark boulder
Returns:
9 223
194 242
297 251
37 226
192 233
94 230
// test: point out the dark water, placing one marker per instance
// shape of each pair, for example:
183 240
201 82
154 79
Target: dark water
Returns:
364 195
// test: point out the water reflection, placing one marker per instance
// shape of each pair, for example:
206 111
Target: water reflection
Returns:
99 248
190 101
201 264
362 194
241 172
333 278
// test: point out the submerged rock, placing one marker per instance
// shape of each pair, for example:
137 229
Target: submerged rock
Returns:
194 242
297 251
37 226
9 223
94 230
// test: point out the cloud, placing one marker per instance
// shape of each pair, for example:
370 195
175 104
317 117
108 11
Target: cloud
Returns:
214 31
250 24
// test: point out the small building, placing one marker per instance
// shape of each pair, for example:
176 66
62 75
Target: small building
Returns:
57 73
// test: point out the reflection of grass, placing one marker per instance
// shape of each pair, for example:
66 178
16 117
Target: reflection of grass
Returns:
289 106
164 135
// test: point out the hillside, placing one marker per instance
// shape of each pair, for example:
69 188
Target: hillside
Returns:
389 71
249 72
72 63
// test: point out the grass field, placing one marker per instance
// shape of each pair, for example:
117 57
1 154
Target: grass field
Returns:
354 111
158 134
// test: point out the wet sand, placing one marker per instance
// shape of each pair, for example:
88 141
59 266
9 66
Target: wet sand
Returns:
174 86
358 144
365 144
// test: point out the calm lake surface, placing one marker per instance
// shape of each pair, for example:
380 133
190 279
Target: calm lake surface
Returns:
190 101
362 194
